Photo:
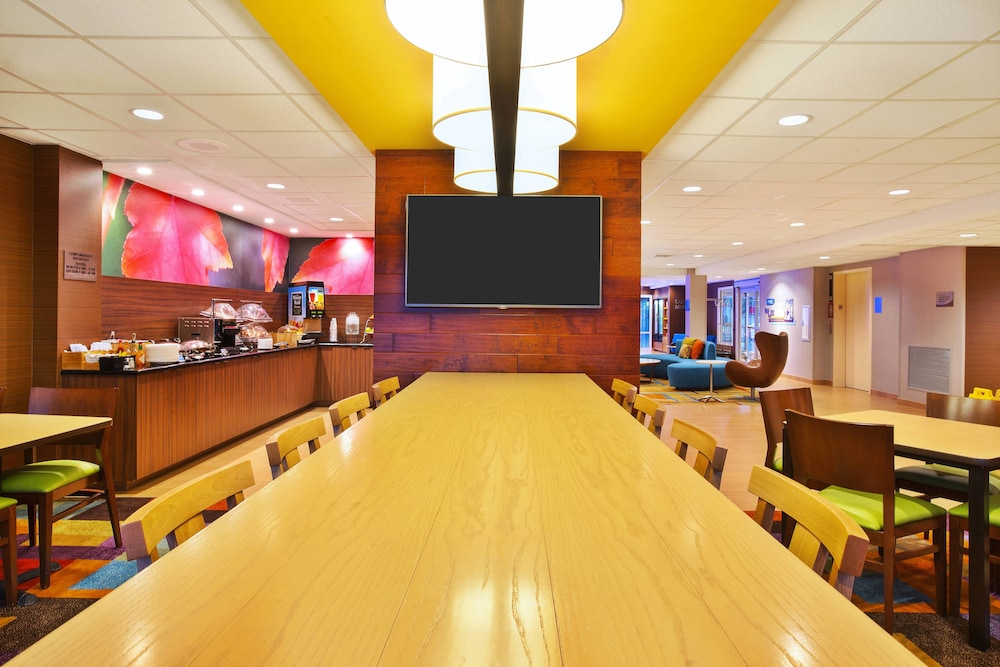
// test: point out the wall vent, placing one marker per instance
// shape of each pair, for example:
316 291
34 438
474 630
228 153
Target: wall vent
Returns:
929 369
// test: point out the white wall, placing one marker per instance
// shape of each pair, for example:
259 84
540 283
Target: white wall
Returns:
797 285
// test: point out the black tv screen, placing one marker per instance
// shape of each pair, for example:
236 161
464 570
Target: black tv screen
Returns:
489 251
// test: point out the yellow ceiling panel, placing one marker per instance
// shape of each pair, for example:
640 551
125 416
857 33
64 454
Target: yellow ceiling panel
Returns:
631 89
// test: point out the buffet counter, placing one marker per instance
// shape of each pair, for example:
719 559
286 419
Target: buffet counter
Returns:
170 414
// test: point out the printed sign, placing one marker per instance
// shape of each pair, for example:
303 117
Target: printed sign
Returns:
79 265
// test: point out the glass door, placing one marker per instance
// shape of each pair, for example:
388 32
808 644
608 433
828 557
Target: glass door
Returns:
645 322
726 319
749 321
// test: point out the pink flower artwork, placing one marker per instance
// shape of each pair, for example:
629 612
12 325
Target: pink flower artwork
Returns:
274 251
346 266
172 239
109 203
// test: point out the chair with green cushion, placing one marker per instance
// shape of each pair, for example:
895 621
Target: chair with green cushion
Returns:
8 540
852 466
773 403
934 480
958 526
39 484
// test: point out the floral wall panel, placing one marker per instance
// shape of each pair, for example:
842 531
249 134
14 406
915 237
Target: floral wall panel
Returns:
345 266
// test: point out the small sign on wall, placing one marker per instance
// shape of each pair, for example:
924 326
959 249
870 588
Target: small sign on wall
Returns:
945 300
79 265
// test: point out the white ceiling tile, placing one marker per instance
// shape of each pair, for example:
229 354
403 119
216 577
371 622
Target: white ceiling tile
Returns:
864 71
273 61
712 115
250 112
233 18
954 173
926 21
19 18
855 204
191 66
317 108
745 202
966 190
916 204
109 18
48 112
679 146
935 151
750 149
841 151
309 167
798 172
986 123
907 119
698 170
675 186
759 188
115 108
658 170
829 189
974 76
291 144
817 20
113 144
256 169
988 156
673 201
345 184
873 173
233 146
757 68
11 84
826 115
45 62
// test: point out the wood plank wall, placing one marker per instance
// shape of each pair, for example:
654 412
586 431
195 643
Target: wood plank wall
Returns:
982 318
603 343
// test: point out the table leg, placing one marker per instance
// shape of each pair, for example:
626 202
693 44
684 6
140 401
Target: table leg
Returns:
711 387
979 560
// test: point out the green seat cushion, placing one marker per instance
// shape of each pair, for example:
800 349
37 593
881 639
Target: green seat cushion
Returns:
6 502
46 476
776 463
962 511
866 508
946 477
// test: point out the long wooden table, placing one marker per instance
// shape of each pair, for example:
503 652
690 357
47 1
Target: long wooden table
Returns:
23 431
505 519
974 447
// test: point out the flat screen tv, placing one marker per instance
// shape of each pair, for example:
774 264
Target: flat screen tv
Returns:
486 251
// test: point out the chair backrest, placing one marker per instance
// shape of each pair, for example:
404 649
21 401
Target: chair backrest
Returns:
821 528
963 409
82 401
177 515
649 413
283 447
710 458
773 350
342 412
855 456
624 393
773 403
385 389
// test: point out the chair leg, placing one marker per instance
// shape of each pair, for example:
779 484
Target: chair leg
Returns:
45 542
889 579
10 556
956 538
941 573
112 501
32 524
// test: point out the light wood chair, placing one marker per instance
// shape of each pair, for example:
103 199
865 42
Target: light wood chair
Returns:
649 413
853 467
773 403
39 484
8 542
821 528
283 447
178 515
624 393
349 410
710 459
385 389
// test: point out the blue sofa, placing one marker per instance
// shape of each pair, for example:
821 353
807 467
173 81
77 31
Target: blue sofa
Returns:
687 374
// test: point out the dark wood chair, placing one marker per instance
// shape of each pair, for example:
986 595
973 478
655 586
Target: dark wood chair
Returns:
3 395
821 529
853 467
773 404
710 458
624 393
385 389
179 514
348 411
8 542
283 447
39 484
773 350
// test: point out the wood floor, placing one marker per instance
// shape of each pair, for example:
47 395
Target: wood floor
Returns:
738 427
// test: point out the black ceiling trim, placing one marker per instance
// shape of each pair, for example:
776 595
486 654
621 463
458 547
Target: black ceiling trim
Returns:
504 19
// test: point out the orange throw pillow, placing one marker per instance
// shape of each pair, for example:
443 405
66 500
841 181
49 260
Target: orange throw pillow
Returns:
697 348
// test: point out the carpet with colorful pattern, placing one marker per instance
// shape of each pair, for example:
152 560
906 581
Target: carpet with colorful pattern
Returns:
660 390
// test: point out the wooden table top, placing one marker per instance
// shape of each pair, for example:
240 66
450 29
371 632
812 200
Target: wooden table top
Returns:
944 439
20 431
506 519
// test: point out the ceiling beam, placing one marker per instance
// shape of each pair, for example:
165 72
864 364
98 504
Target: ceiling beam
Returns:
504 20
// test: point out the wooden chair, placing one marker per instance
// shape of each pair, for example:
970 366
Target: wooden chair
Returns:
349 410
821 528
8 542
649 413
283 447
178 515
958 526
385 389
773 349
935 480
39 484
852 465
710 458
773 403
624 393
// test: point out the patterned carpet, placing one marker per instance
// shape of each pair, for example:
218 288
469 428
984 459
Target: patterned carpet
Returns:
659 389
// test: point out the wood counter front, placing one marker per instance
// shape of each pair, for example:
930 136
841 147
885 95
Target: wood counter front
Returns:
169 415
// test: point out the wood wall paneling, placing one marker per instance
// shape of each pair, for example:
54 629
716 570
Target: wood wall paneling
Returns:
603 342
982 308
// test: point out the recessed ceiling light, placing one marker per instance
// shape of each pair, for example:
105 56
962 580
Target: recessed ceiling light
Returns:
350 236
797 224
761 268
293 230
268 221
145 171
198 192
645 222
276 186
737 242
692 188
968 235
698 256
203 145
824 257
895 193
336 219
669 264
794 119
237 207
146 114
